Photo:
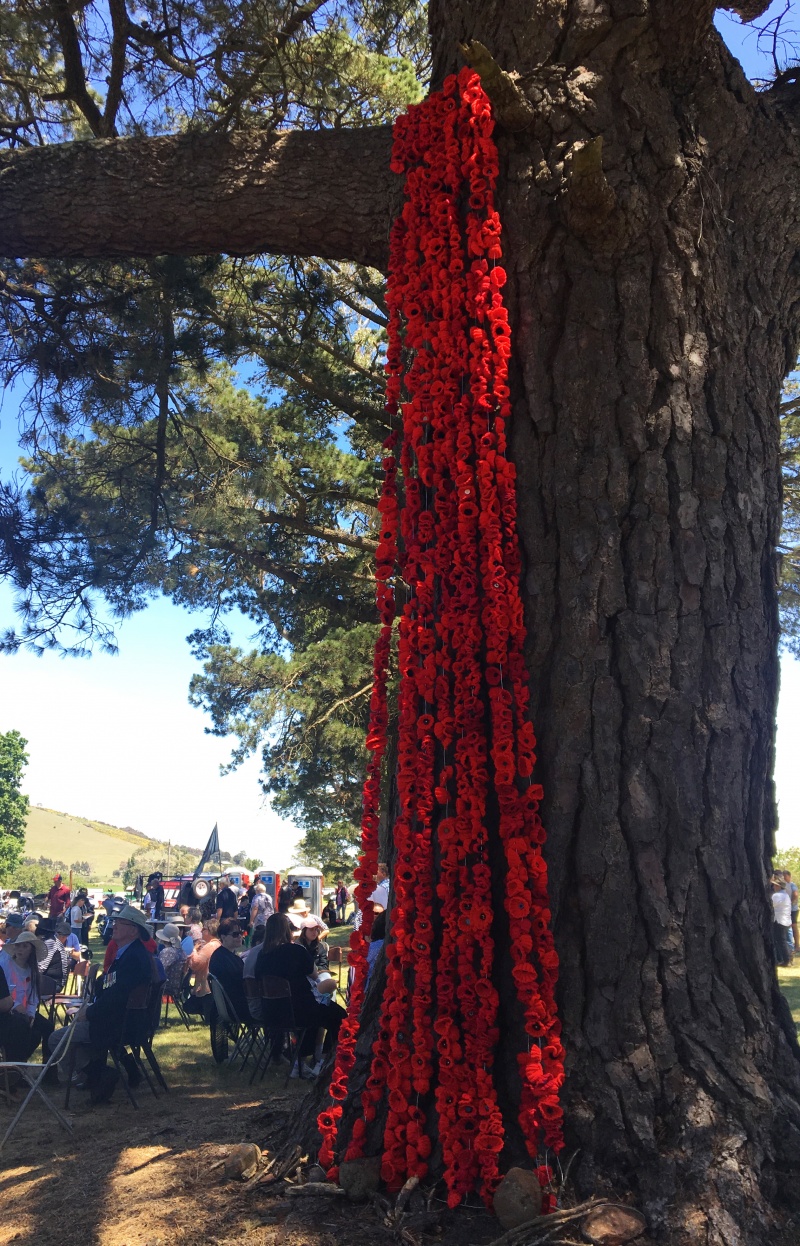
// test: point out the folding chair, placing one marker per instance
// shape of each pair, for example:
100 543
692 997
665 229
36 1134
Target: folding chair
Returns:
336 959
175 985
226 1024
153 1019
177 998
34 1075
71 1003
276 996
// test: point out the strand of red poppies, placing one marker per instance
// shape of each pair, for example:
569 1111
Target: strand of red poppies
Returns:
463 615
377 734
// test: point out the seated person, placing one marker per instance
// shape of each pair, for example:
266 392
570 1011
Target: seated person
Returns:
99 1025
19 963
172 957
312 939
377 938
14 925
329 913
55 967
280 957
198 961
228 968
17 1038
194 934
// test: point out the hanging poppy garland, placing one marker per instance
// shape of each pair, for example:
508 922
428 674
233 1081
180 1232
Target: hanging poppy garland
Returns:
466 744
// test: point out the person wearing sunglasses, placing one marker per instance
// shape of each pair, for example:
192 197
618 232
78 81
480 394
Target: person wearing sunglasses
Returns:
227 965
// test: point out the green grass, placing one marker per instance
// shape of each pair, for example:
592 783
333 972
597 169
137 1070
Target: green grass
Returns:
789 981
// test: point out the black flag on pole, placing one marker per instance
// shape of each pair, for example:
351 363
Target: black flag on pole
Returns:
212 850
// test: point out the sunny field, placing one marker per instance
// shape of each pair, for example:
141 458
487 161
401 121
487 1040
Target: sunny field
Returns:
62 837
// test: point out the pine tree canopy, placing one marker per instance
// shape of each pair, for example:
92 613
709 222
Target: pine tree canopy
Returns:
208 427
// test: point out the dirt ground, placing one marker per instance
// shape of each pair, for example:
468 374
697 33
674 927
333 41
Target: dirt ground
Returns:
145 1177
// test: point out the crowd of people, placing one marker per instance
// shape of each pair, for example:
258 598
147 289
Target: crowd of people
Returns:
244 941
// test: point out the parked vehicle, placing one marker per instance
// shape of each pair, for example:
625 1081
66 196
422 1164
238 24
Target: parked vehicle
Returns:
186 889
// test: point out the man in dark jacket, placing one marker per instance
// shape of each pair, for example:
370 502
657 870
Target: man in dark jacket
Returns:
100 1024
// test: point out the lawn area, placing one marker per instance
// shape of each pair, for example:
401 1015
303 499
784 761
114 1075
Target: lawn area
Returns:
145 1176
789 981
153 1177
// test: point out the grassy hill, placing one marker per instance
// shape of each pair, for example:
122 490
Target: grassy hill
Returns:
63 837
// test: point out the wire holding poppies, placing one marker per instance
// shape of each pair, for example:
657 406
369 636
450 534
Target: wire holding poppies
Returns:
466 745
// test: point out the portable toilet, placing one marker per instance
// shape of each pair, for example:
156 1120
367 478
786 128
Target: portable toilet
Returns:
271 880
311 880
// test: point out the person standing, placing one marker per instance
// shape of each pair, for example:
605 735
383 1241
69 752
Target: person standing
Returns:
341 900
88 914
781 921
227 900
261 907
76 915
58 897
153 902
792 890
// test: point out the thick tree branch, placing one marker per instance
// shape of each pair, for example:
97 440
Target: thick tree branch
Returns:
335 536
74 75
685 25
328 193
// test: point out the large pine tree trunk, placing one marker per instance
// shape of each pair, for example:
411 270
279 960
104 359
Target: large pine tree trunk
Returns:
652 305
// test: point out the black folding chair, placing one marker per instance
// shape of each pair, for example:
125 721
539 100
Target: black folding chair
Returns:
226 1025
146 1043
278 1023
177 989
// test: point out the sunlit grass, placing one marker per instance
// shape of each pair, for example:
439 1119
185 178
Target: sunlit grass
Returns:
789 981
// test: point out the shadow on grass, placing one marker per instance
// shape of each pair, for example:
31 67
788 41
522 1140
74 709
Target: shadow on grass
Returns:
128 1175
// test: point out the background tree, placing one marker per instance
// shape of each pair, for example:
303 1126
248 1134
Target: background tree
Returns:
13 804
649 201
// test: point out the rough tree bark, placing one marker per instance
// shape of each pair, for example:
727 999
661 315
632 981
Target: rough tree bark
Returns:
199 194
651 222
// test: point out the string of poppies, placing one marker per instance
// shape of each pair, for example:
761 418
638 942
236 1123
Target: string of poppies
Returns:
466 742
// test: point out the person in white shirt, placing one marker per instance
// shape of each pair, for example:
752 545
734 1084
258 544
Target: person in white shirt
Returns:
781 922
76 920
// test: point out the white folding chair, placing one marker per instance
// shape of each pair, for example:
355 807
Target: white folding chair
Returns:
34 1075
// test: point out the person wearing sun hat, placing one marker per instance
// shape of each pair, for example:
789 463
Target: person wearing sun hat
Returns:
297 912
100 1022
172 957
18 961
14 925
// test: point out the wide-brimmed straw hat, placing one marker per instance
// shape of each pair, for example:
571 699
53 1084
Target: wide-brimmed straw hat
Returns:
130 914
40 951
300 907
169 934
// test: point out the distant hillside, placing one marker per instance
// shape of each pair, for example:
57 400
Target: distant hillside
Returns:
63 837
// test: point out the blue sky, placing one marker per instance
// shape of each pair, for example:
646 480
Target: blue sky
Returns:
113 737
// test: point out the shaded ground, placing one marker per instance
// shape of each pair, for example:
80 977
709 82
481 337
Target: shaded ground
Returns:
147 1177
